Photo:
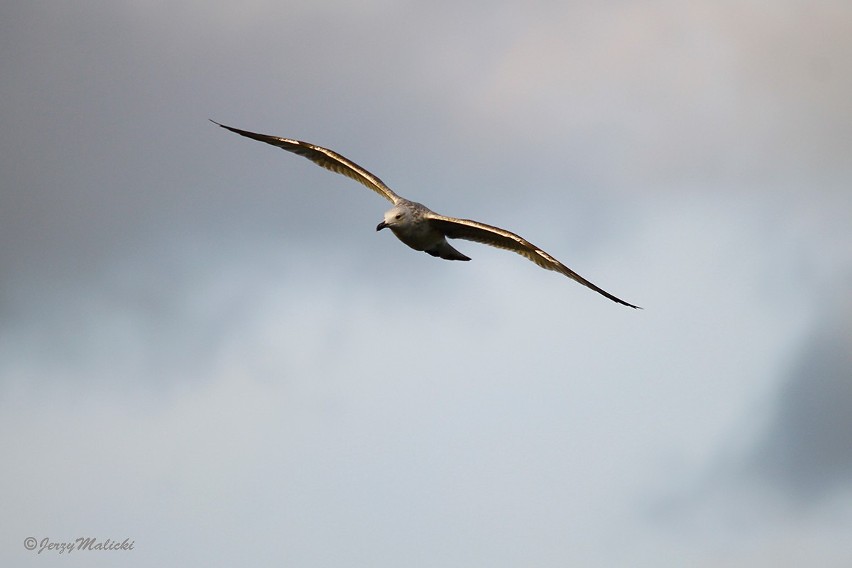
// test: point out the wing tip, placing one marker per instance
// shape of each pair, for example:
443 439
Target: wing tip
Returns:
622 302
226 127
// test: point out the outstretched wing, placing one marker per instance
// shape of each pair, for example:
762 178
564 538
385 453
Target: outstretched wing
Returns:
497 237
324 157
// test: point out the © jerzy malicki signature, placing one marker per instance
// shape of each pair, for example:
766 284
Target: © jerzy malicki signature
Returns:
82 543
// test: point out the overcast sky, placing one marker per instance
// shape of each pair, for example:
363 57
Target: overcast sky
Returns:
206 348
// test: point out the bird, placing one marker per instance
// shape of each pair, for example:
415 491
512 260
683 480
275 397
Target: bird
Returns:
415 224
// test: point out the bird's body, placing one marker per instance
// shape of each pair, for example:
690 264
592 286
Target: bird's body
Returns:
409 221
418 226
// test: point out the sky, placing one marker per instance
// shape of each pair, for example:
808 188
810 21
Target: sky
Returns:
207 349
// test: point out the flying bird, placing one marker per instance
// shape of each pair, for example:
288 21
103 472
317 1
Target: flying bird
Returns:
415 224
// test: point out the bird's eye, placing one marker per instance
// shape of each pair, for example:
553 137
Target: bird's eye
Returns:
398 216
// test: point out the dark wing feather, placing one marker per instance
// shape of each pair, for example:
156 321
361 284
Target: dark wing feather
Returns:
324 157
501 238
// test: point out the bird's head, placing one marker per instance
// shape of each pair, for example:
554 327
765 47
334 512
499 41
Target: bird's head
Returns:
394 218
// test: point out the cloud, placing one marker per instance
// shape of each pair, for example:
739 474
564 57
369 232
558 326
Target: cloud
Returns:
669 93
807 450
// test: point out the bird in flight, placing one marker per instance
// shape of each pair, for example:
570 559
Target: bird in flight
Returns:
418 226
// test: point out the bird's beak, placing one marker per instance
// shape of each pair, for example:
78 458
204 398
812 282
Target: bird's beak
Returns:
381 226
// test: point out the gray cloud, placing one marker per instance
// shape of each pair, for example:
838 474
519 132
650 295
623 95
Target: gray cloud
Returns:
807 450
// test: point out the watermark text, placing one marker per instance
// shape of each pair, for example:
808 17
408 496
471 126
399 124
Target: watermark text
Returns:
83 543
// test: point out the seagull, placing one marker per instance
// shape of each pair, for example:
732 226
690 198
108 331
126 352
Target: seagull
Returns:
415 224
